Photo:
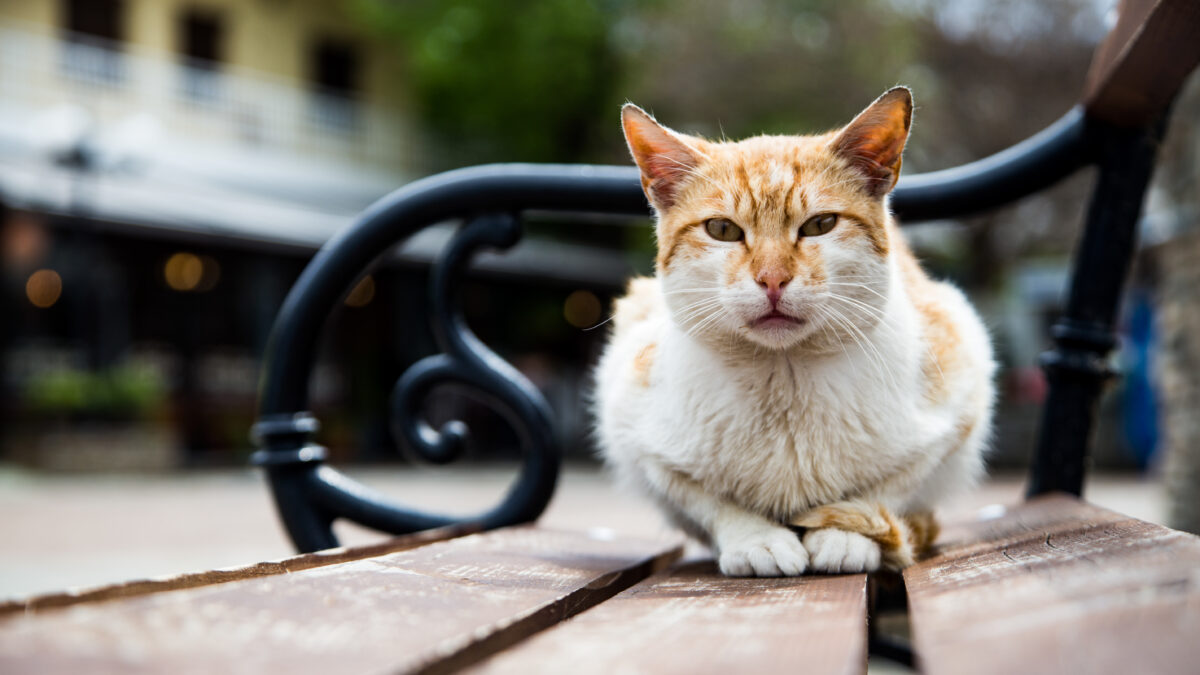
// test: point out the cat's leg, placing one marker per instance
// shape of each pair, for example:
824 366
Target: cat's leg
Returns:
746 543
859 536
897 518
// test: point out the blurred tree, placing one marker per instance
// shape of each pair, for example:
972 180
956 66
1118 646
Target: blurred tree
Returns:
527 80
762 66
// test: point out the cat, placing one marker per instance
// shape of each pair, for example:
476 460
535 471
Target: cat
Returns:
790 387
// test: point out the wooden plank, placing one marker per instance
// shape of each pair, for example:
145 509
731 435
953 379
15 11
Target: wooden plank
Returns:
132 589
1056 585
693 620
427 610
1144 61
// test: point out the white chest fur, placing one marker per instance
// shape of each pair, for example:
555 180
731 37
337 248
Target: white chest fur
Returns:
776 433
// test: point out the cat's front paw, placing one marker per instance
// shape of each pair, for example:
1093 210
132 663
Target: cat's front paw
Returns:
832 550
763 552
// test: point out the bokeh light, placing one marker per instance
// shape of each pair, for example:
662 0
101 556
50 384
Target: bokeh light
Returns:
582 309
43 288
183 271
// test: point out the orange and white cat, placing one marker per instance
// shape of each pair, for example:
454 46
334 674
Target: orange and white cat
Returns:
791 365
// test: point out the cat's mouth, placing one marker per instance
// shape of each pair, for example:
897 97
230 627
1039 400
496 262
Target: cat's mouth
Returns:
776 319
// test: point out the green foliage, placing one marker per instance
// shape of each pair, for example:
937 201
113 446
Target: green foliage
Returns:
526 80
125 392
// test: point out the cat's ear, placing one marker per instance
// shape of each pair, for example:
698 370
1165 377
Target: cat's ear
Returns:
874 141
663 156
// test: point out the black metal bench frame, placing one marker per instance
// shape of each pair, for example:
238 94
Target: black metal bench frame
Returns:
490 201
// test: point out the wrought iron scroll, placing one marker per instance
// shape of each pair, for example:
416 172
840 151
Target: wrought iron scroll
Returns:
308 495
466 360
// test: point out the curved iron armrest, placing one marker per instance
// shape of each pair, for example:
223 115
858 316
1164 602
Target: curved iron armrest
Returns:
310 495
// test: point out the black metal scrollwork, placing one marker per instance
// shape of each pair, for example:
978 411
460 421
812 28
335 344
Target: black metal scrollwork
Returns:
466 360
309 495
294 461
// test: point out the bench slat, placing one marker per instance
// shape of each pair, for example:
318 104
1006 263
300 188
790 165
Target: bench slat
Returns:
693 620
304 561
430 609
1057 585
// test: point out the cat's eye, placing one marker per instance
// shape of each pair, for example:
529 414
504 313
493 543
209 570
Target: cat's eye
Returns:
723 229
818 225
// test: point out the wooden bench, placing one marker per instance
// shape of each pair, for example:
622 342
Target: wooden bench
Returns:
1052 585
1049 585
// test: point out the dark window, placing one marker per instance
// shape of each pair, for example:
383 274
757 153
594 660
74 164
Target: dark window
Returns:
201 43
335 67
94 18
94 30
201 36
334 74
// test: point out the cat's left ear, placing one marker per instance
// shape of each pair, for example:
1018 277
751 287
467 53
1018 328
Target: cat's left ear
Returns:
874 141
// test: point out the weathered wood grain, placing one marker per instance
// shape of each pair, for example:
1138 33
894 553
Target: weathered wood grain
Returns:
1144 60
131 589
1058 586
431 609
693 620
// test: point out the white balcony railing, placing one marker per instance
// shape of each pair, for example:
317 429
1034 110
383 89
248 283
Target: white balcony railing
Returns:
204 102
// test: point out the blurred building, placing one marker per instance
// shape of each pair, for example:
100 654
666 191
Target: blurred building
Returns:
266 120
166 168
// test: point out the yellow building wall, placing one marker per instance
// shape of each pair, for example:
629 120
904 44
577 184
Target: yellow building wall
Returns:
270 36
39 13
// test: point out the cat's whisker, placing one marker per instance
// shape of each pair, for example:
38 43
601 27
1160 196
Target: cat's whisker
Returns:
591 328
700 315
860 286
873 312
703 305
705 289
704 323
707 298
832 337
879 319
841 321
866 340
866 344
712 318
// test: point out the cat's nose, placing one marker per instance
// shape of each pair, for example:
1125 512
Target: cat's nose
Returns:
773 283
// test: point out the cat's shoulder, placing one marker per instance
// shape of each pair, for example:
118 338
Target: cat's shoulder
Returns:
643 301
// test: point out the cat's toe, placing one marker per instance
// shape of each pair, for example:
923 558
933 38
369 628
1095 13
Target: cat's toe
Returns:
832 550
771 553
735 564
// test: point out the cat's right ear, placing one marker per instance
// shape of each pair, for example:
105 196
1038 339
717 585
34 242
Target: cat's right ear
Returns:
665 159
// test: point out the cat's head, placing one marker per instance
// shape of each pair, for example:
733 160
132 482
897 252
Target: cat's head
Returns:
774 240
